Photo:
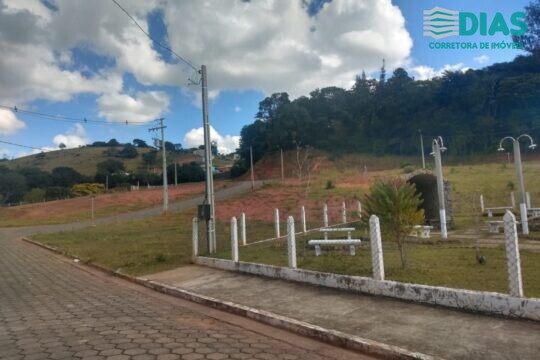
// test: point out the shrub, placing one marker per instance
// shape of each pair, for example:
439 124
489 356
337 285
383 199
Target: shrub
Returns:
408 169
329 185
396 203
87 189
34 195
510 185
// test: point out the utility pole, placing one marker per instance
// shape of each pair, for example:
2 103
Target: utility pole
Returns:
422 149
282 171
438 146
164 155
252 175
106 182
209 195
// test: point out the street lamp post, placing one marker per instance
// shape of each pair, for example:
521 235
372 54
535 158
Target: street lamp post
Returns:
519 174
438 148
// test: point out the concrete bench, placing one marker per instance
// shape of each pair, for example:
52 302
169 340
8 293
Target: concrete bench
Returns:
351 243
533 212
422 231
492 209
494 226
343 229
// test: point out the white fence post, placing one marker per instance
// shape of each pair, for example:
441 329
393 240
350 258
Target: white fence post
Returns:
325 215
359 208
291 242
212 243
303 218
513 200
482 203
243 228
276 222
528 195
234 239
195 236
376 248
343 212
513 262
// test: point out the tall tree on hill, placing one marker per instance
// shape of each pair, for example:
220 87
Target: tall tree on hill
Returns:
531 40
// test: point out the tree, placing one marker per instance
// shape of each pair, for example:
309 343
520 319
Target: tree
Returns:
36 178
12 186
169 146
150 157
191 172
397 204
110 167
66 177
531 40
140 143
113 143
62 146
128 152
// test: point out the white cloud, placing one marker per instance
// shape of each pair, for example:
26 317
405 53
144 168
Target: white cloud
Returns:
261 45
237 109
144 107
482 59
9 124
423 72
226 143
74 137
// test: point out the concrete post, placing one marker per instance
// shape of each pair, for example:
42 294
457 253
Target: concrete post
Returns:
343 212
303 218
528 194
513 200
276 222
291 242
195 236
234 239
243 228
376 248
212 242
513 262
482 203
325 215
359 208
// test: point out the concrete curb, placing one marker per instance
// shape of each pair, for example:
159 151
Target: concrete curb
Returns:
329 336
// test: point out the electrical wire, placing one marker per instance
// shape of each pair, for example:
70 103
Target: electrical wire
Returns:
184 60
69 119
24 146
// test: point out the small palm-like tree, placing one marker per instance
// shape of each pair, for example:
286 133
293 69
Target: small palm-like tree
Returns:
397 204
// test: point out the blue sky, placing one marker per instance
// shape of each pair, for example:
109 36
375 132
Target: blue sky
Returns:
102 67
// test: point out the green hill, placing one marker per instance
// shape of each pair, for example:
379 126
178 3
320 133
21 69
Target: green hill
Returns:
85 159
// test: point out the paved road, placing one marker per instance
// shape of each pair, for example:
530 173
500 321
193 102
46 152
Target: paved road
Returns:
52 308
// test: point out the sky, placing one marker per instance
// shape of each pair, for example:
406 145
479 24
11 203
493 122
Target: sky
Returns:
87 60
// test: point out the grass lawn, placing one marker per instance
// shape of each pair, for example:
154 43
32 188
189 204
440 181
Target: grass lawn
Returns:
164 242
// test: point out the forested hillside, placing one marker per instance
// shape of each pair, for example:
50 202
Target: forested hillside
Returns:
472 110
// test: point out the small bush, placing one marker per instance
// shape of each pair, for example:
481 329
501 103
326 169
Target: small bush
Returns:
161 258
329 185
408 169
87 189
510 185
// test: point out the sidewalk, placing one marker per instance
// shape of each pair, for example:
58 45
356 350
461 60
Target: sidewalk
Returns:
422 328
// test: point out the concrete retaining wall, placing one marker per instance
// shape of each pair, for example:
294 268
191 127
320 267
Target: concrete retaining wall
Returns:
477 301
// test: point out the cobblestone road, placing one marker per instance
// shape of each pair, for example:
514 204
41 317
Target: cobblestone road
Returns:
51 309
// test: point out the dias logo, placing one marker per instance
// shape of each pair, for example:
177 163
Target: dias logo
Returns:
440 23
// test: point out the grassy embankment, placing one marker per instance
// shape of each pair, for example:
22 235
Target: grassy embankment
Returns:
162 243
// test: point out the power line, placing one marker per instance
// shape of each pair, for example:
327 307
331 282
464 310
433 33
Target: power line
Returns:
184 60
69 119
24 146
